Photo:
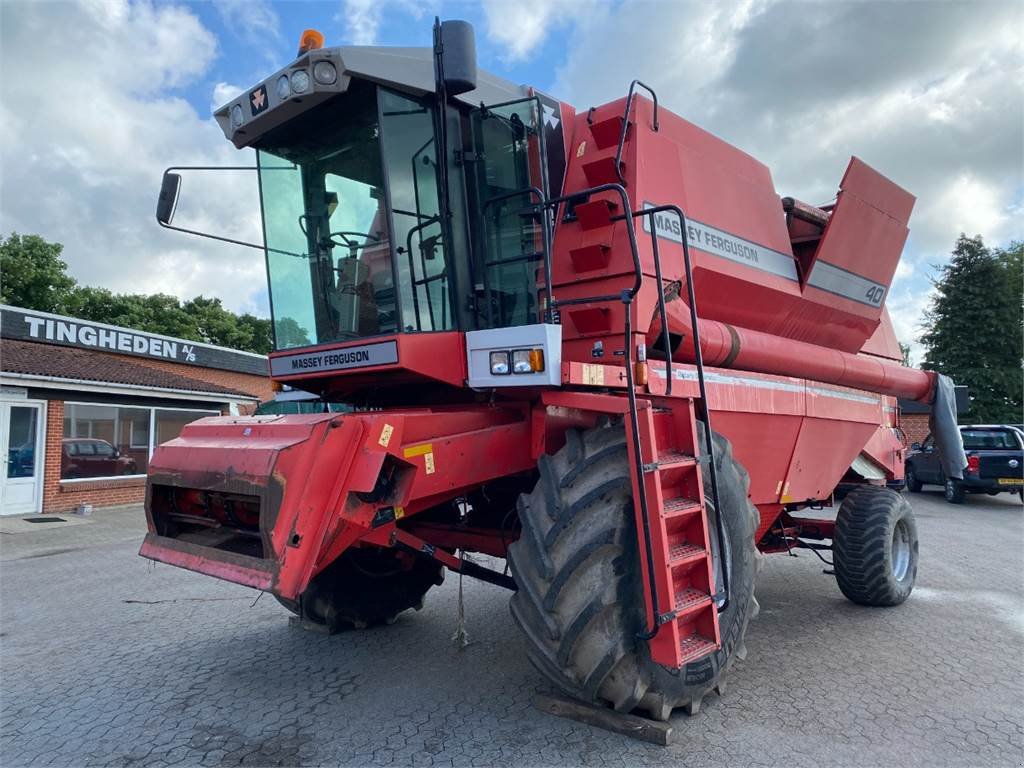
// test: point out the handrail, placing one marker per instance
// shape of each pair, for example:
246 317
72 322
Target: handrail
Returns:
699 360
625 124
412 269
626 297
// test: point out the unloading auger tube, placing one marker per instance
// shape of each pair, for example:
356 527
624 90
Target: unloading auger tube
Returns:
727 346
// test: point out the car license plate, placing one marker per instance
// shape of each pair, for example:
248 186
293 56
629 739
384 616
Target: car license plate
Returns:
1011 481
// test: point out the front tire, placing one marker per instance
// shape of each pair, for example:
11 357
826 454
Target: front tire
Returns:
875 550
912 481
365 587
580 602
954 491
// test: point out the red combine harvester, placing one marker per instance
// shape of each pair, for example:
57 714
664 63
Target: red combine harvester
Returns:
598 344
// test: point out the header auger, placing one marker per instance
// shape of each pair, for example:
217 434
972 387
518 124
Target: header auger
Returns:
598 344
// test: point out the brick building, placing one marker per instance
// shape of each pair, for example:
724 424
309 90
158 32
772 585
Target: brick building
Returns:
83 404
914 415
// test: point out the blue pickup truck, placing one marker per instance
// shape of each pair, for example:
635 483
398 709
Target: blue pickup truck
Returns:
995 463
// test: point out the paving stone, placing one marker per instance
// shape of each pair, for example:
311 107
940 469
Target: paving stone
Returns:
191 673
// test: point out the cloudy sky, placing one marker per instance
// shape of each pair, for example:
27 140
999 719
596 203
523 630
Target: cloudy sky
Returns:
97 98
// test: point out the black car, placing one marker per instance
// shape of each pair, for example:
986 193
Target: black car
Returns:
995 463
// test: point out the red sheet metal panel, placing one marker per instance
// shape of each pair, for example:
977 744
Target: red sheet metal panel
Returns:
856 259
824 450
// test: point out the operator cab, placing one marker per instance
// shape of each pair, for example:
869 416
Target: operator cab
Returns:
385 213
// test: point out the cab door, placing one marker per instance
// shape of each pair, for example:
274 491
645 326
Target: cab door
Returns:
508 159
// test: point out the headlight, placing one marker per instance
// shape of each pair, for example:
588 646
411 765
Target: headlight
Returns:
284 88
499 364
527 360
300 81
325 73
521 361
236 116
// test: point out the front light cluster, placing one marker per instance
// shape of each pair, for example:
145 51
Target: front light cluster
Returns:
517 361
297 83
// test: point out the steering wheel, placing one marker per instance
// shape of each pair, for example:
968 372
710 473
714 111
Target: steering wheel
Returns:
352 246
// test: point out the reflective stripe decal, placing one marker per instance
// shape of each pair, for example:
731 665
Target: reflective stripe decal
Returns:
824 276
756 383
841 282
717 242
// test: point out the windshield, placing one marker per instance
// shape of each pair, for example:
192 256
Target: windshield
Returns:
325 205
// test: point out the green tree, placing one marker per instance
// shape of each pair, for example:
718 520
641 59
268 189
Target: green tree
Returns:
290 333
905 353
32 274
216 325
973 329
156 313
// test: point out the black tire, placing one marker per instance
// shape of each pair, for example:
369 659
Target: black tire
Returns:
954 491
365 587
912 482
875 550
580 601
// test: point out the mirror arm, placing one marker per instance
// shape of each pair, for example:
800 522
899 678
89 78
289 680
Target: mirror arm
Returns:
168 225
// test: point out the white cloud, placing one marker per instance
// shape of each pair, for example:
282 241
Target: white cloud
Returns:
519 27
223 93
254 20
360 20
85 138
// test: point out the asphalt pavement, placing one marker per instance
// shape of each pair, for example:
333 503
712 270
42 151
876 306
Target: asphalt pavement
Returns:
109 659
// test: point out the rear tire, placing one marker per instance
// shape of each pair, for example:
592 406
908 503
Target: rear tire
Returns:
580 602
365 587
954 491
913 484
875 550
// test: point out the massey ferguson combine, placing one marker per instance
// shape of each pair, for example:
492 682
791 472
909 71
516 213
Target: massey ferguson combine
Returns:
596 343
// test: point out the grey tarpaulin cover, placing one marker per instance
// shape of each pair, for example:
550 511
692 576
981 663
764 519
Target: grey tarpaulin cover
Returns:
942 423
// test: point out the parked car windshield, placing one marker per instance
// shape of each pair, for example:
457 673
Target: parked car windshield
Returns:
989 439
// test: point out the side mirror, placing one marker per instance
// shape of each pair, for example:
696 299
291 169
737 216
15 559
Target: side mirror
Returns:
168 200
458 56
915 446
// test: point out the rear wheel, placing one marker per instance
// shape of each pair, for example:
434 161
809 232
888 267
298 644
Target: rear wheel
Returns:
580 600
364 587
954 491
876 547
913 483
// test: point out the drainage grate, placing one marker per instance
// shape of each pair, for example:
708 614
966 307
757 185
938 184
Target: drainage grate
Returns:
44 519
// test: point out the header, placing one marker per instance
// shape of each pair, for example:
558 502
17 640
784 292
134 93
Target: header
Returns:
29 325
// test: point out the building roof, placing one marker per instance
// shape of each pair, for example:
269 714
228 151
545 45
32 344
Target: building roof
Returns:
36 359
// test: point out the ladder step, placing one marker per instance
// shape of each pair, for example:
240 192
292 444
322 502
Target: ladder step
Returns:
606 133
690 601
681 507
595 214
601 171
591 257
695 647
674 460
684 554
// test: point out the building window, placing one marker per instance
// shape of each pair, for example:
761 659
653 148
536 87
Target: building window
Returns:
169 423
104 441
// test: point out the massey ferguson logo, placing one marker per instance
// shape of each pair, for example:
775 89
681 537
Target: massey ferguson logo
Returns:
258 100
